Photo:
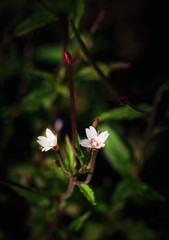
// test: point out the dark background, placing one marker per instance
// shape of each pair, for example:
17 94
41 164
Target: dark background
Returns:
132 31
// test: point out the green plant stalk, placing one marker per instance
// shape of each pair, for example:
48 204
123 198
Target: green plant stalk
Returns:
91 165
61 161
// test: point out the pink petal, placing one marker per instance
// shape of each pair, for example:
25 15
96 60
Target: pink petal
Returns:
85 143
50 134
103 136
91 132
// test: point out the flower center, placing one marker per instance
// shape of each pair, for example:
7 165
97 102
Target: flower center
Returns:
94 143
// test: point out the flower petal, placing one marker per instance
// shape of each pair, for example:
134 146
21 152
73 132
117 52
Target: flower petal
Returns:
103 136
50 134
85 143
91 132
43 142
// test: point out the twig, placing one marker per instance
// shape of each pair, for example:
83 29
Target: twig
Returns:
90 173
93 64
69 190
72 104
27 189
156 102
62 162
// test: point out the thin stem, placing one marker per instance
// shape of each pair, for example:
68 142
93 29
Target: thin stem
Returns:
69 190
156 102
27 189
141 111
62 162
72 104
93 64
90 173
105 79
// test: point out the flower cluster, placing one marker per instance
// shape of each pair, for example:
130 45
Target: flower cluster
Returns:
94 140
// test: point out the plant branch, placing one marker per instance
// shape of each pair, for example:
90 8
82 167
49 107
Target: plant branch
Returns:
72 104
27 189
152 117
61 161
93 64
69 190
90 173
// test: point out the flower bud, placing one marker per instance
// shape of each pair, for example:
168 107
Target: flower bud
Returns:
67 57
123 101
94 124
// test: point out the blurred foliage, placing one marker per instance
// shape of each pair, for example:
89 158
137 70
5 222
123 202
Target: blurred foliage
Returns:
34 94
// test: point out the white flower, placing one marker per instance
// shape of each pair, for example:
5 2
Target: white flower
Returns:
94 139
48 142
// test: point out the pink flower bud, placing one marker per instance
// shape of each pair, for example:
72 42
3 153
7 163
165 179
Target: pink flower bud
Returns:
123 101
67 57
94 124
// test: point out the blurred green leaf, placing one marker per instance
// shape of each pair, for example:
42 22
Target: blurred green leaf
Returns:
77 224
70 163
32 196
87 73
134 189
87 192
77 8
39 98
121 113
123 190
116 152
48 77
49 53
137 230
78 150
37 20
144 191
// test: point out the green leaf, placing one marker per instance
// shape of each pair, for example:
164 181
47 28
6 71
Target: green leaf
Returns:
144 191
48 77
77 224
137 230
116 152
82 154
70 163
87 73
77 8
51 54
39 98
32 196
123 190
87 192
38 20
119 113
78 150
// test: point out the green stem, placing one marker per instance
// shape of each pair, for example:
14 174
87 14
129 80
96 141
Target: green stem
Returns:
27 189
62 164
91 170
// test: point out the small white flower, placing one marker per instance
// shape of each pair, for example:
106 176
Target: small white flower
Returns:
94 139
48 142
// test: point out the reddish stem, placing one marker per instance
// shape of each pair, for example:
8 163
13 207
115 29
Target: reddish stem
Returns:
72 104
